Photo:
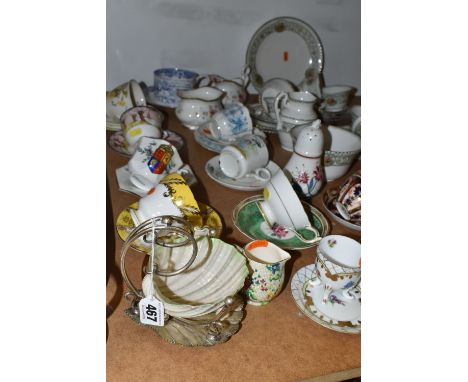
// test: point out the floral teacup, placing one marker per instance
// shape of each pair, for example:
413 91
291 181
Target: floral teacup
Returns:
231 123
122 98
337 265
348 202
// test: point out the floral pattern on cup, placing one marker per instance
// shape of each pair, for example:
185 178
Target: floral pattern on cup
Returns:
166 83
303 177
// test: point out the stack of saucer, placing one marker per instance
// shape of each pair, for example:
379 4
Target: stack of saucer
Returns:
112 125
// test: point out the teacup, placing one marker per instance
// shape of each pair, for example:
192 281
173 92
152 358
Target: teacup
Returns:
348 201
341 149
246 157
172 196
231 123
336 98
281 206
122 98
152 160
167 81
138 122
270 91
337 265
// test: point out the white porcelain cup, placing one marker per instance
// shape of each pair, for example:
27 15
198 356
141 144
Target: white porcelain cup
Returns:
281 206
122 98
269 92
336 98
232 122
138 122
172 196
337 266
246 157
153 159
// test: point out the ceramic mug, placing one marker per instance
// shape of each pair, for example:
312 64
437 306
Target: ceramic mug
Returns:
336 98
266 271
172 196
232 122
348 201
281 206
337 266
246 157
167 81
152 160
122 98
138 122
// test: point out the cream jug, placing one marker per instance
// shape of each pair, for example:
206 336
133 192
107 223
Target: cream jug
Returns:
197 106
305 164
266 268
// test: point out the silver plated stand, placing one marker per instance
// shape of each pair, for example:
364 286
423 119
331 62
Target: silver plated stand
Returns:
206 330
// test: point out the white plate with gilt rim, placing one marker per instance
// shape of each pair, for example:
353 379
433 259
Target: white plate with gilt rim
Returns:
305 303
244 184
284 47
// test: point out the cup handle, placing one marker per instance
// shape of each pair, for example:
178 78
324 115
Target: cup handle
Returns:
302 238
315 280
209 77
245 76
261 173
278 98
134 217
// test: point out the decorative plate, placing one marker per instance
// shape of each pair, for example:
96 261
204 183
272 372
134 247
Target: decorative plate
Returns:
284 47
300 290
249 220
328 200
244 184
125 225
116 141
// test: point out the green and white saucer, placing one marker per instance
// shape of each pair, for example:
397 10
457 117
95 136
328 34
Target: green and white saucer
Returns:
249 220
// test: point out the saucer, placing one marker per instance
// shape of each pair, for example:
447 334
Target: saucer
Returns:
124 224
204 137
264 122
123 179
112 126
304 296
116 141
248 219
244 184
328 200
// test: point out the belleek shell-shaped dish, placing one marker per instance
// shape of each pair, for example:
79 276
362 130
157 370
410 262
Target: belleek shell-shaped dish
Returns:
300 290
219 271
284 47
246 183
249 220
116 141
191 333
329 200
124 224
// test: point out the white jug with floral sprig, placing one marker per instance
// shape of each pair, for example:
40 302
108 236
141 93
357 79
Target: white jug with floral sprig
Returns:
305 164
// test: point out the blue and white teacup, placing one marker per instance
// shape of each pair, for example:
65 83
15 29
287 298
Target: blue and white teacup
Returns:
166 83
231 123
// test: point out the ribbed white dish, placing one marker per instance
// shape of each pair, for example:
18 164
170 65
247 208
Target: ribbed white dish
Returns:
218 271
